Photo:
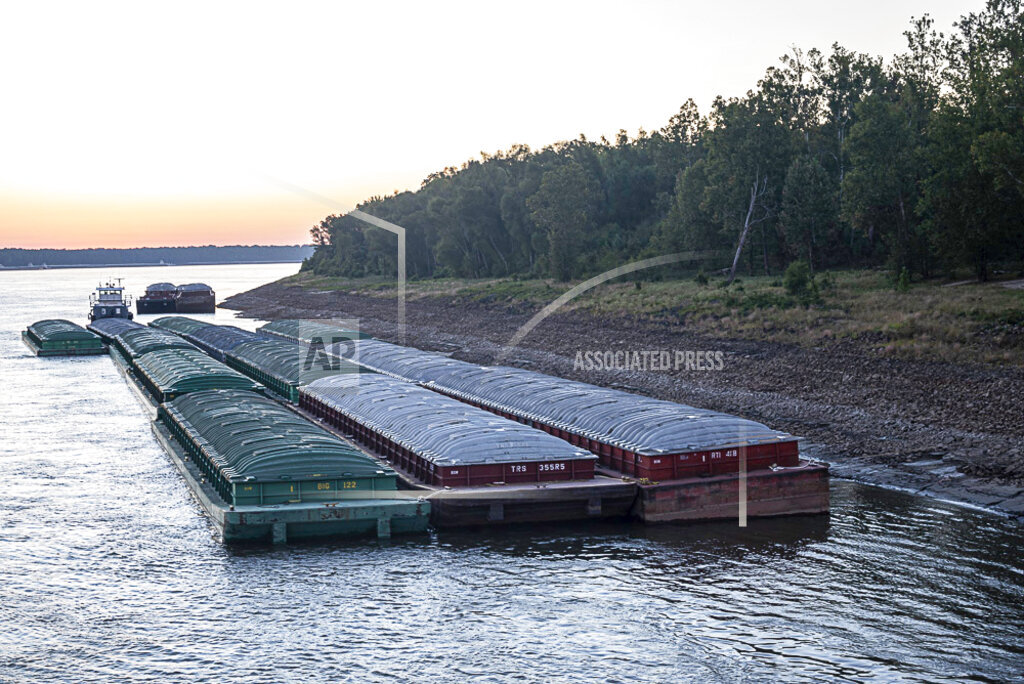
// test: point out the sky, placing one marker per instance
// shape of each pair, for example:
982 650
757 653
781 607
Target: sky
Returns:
145 124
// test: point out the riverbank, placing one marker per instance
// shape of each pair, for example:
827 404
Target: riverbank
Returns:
866 405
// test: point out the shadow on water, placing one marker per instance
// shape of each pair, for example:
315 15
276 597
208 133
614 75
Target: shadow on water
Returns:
778 537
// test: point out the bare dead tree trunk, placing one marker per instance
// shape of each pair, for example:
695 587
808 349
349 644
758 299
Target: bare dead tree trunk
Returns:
743 235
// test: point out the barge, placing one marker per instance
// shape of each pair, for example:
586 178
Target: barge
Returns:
477 468
289 479
59 337
195 298
159 298
169 373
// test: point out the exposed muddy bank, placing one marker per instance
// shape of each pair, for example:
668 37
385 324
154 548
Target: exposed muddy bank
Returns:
947 430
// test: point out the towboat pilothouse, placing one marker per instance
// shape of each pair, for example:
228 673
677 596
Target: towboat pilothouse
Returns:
109 301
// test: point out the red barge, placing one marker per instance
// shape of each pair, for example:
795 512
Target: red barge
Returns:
477 467
687 463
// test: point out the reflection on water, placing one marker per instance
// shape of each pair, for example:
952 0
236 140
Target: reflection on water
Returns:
109 571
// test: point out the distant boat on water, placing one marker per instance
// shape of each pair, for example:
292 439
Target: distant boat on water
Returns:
167 298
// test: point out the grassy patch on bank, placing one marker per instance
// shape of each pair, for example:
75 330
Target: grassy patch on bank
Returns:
969 323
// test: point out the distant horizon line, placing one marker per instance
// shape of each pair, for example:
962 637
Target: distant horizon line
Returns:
83 249
46 267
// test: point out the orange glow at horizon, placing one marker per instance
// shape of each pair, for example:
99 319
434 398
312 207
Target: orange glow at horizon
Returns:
41 221
74 224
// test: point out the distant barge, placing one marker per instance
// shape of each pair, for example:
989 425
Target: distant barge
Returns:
166 298
58 337
159 299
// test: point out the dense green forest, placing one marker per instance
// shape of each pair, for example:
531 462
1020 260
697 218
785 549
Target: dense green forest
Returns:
837 159
209 254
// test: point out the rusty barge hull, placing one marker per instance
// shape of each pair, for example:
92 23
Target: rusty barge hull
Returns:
801 490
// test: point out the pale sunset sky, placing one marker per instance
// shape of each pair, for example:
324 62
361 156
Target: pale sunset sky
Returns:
139 124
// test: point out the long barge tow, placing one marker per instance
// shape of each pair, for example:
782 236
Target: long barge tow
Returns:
472 445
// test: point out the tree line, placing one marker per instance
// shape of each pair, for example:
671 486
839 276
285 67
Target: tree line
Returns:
836 158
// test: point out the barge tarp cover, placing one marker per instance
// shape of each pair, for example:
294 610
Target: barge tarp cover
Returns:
179 371
243 437
284 365
442 430
59 331
179 324
138 341
635 423
220 339
109 328
306 331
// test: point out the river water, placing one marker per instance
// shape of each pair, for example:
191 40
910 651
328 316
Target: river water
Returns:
110 572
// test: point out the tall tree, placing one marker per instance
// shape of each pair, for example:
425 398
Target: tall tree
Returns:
564 206
808 207
973 200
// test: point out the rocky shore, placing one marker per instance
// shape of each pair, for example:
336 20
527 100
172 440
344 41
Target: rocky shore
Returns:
953 431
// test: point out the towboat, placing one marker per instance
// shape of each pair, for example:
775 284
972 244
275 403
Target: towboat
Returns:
109 301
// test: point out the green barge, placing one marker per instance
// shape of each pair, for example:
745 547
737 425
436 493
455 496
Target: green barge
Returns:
59 337
265 482
264 473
